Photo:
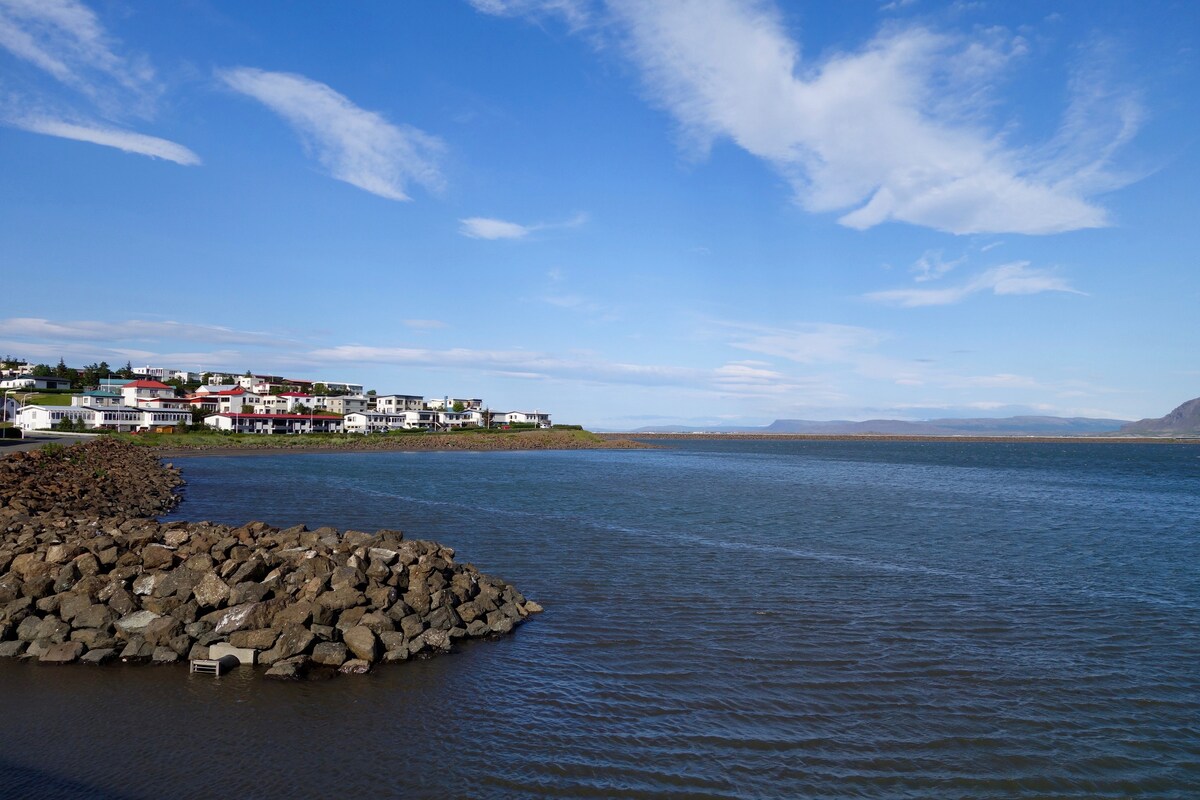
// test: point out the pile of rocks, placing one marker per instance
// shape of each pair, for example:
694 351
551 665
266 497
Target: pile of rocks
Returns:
75 586
103 478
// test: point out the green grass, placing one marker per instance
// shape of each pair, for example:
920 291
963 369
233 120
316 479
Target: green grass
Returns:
332 440
48 399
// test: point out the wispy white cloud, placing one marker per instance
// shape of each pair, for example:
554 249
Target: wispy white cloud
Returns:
576 13
1017 278
127 141
425 324
34 328
489 228
65 39
486 228
932 265
357 146
896 130
804 343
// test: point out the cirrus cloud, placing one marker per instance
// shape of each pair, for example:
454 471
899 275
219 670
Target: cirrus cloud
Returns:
354 145
1016 278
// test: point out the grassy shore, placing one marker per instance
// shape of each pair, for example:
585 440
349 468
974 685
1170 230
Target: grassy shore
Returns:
183 444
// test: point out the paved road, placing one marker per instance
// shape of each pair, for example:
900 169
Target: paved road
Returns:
33 441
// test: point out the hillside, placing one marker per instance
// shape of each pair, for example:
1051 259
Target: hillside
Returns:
1184 420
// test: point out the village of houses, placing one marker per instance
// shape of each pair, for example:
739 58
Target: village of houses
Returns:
258 404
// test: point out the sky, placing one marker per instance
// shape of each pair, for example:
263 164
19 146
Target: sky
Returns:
624 213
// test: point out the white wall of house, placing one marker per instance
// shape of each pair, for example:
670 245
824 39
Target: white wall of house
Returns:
120 418
372 422
270 424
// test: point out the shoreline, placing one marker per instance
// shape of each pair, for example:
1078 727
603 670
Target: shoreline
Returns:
179 446
888 437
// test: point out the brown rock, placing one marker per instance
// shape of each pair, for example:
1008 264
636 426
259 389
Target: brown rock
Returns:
63 653
362 643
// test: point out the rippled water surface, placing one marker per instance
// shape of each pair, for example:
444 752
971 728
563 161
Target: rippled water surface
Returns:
723 619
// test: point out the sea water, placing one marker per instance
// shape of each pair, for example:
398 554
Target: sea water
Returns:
723 619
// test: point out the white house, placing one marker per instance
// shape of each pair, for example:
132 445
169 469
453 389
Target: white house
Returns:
135 391
38 382
395 403
459 419
371 422
538 418
448 403
424 419
230 401
275 423
118 418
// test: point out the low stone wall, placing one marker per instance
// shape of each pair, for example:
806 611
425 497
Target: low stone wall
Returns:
77 585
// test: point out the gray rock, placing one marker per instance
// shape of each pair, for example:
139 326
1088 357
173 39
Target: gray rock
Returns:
12 649
101 655
289 669
164 655
94 638
53 629
27 630
135 623
137 650
94 616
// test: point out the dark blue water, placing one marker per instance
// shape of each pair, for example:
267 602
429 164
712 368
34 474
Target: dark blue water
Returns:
723 619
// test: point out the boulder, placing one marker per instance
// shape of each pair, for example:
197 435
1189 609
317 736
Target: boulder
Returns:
135 623
211 591
362 642
100 655
293 641
63 653
330 654
258 639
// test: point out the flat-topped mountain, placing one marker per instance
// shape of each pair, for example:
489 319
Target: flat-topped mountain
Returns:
1183 420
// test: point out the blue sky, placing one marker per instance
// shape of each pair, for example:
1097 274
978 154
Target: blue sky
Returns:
625 213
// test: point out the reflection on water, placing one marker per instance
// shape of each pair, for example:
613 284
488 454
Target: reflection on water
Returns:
722 620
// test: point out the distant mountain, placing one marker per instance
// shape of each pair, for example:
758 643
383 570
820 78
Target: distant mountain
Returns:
1184 420
1005 426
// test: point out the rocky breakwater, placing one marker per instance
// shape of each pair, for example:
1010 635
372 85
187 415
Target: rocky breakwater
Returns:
86 575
